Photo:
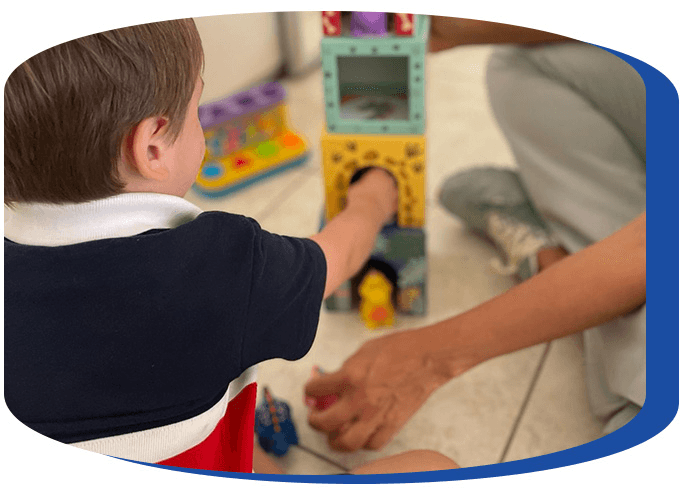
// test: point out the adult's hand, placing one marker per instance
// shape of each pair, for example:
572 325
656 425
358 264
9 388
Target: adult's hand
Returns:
445 32
448 32
384 383
379 388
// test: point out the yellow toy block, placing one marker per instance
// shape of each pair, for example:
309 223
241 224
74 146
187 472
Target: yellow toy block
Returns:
376 308
402 155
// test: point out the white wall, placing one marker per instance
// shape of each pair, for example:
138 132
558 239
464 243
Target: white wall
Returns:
240 50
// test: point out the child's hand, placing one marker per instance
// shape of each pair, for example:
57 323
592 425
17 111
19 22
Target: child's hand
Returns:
377 191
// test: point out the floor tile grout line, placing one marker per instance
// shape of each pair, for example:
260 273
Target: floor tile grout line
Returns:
283 196
525 402
320 457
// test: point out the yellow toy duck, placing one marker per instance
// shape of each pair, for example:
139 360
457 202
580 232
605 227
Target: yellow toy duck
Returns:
376 309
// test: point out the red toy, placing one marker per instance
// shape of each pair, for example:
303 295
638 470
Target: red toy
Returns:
404 24
323 402
331 23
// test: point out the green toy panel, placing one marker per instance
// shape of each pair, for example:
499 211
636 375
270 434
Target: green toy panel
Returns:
375 85
400 254
341 300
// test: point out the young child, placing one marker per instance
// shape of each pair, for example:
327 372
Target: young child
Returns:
132 318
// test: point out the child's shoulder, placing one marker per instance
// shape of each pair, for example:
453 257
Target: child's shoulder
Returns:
215 222
215 234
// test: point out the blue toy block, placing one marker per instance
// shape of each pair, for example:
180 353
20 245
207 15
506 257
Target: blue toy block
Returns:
274 426
375 85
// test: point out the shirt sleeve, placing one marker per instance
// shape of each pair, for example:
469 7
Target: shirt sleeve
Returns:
288 283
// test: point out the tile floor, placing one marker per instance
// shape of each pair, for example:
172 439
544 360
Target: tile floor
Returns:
526 404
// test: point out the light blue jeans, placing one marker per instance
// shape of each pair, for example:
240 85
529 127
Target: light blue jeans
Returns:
574 116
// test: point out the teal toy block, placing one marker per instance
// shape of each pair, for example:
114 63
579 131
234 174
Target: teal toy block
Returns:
374 84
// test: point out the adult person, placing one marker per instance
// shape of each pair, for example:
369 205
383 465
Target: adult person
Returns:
570 223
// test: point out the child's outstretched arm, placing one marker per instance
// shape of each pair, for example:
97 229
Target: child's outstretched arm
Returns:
349 238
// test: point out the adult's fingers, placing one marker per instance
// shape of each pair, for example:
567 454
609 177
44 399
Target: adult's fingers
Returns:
327 384
359 433
382 436
334 417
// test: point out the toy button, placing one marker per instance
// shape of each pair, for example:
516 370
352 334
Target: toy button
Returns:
267 148
291 140
242 161
211 170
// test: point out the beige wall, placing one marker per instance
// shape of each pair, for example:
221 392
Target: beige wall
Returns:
303 40
240 50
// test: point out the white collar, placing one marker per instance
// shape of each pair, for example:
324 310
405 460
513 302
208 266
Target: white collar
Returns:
122 215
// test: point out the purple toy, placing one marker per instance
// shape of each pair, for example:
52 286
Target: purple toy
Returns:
368 24
255 99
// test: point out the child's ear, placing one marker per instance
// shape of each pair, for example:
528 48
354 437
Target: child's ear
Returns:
147 149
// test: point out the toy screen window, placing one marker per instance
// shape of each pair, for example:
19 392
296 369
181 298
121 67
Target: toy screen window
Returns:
374 88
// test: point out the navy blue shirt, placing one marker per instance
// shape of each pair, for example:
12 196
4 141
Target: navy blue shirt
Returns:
125 334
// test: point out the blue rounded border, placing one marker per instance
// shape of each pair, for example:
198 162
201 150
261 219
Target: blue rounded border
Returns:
661 402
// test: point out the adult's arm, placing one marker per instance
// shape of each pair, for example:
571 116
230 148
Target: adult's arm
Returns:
386 381
448 32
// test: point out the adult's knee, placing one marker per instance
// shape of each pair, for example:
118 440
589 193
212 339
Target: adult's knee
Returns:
411 461
511 82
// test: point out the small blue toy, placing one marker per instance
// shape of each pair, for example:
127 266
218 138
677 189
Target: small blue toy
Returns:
274 426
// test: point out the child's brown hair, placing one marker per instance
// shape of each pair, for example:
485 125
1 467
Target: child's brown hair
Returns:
69 108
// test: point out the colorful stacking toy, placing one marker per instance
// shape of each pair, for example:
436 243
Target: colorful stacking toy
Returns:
373 70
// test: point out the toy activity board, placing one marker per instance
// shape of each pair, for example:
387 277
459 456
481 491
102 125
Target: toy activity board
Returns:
248 138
